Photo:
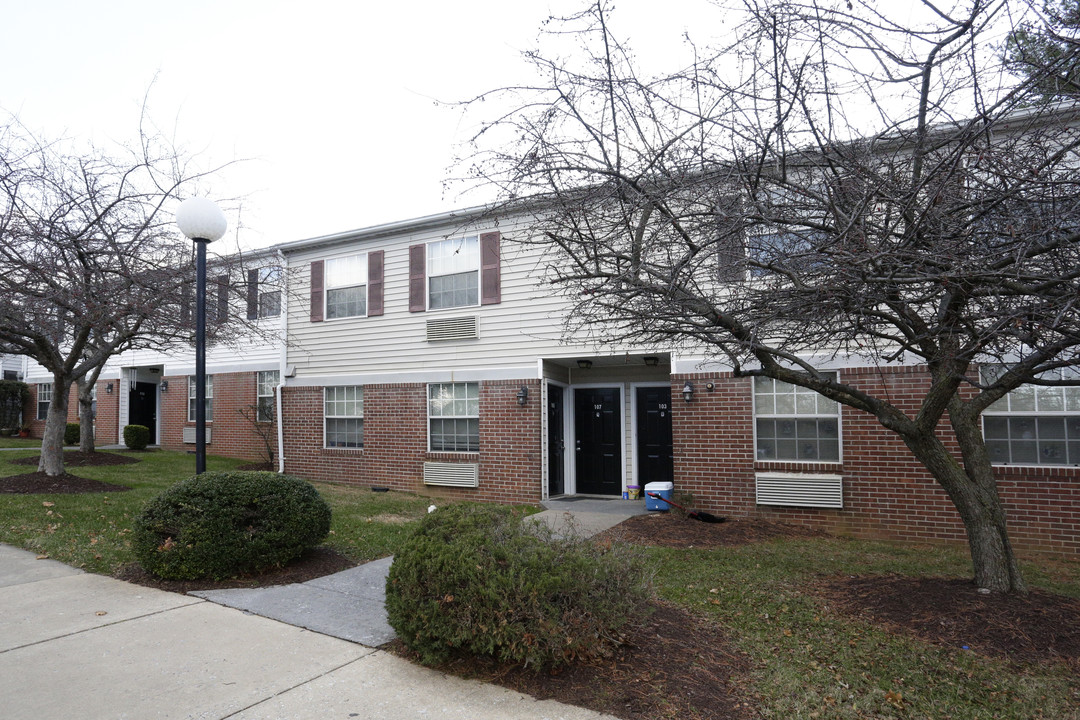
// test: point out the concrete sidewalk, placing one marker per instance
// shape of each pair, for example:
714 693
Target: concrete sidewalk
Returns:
76 645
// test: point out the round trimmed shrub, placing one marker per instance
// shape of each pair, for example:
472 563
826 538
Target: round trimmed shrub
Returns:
222 524
484 580
71 434
136 437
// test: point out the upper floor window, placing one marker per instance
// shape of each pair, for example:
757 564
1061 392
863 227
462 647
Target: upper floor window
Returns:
270 292
453 268
44 399
1033 425
209 404
454 417
346 286
795 423
266 381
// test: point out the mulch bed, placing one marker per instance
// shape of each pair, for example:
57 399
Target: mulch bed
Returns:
315 563
67 484
672 665
952 612
671 529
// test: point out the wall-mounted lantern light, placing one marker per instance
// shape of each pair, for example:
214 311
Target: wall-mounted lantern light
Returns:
164 386
523 396
652 360
687 391
584 364
108 389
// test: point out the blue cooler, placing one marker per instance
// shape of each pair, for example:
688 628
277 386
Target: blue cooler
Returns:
663 489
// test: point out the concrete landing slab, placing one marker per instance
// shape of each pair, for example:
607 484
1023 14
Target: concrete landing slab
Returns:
381 686
350 605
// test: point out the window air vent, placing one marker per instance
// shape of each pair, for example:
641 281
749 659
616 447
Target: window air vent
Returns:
452 474
459 328
189 435
798 490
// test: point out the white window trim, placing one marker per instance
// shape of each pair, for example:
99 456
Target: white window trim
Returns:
1035 414
271 277
360 417
327 287
258 393
428 275
799 416
42 390
209 398
453 417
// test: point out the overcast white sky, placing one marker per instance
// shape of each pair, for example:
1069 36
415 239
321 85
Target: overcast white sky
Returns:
331 102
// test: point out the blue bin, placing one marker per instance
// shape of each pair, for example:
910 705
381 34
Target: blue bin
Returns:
663 489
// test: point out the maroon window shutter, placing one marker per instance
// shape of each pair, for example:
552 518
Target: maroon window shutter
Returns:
375 283
417 278
222 298
253 294
317 291
490 269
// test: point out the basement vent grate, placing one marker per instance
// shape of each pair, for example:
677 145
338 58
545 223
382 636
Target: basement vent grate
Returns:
798 490
189 435
459 328
452 474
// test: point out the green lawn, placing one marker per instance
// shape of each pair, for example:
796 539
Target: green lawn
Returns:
91 531
812 662
808 660
17 442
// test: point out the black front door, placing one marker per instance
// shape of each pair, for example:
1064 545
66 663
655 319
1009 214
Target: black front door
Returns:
597 444
556 442
654 446
142 407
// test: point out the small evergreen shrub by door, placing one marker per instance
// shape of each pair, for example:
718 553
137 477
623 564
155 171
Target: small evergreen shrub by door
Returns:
223 524
136 437
484 580
72 433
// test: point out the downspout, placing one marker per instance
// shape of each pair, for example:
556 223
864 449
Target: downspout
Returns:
282 367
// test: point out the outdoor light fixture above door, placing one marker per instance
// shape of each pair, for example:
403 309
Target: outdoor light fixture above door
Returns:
584 364
523 396
687 391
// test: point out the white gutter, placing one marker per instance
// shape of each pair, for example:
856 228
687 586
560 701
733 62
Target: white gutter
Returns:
282 367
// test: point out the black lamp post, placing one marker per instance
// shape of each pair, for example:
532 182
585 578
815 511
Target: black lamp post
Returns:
203 222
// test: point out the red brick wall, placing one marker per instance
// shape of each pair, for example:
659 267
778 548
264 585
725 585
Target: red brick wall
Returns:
232 435
395 442
887 493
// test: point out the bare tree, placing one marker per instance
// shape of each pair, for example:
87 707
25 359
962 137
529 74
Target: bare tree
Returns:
90 263
835 183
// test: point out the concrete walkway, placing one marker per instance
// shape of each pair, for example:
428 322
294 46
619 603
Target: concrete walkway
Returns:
77 645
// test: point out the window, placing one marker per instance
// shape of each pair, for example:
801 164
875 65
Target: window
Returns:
343 415
795 423
266 381
454 417
44 400
269 292
11 375
1034 425
453 268
209 398
346 287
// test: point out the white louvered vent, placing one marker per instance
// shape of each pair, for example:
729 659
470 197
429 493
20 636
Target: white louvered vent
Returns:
189 435
452 474
798 490
459 328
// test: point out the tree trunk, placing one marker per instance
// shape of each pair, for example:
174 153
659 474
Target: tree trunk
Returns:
52 444
86 418
973 490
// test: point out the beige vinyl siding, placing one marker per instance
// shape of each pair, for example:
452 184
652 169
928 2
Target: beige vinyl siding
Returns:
527 323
